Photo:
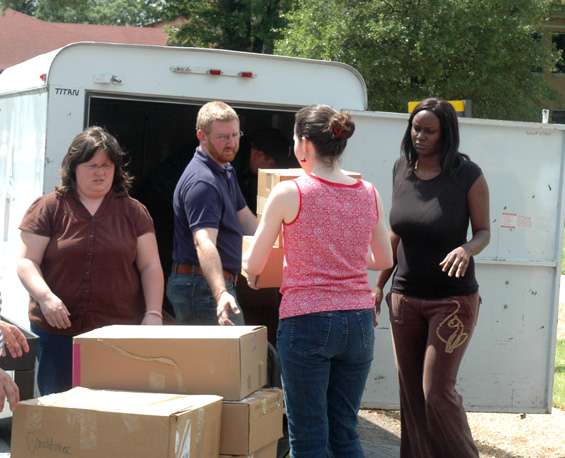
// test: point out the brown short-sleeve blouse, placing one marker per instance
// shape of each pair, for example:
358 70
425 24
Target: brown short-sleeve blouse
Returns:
90 261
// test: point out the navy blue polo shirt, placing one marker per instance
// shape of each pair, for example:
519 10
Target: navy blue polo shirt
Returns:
208 196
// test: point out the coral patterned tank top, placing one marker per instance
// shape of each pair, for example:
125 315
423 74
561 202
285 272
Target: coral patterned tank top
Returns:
325 248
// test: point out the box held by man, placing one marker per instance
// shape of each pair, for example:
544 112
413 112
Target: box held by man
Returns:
271 277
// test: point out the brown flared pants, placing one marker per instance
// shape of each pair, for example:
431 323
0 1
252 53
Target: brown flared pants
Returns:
430 338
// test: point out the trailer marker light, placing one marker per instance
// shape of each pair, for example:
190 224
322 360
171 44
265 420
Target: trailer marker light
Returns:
211 71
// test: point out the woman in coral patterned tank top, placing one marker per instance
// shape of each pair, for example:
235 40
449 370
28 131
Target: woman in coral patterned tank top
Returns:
325 335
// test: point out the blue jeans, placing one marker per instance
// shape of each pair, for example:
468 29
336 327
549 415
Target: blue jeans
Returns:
55 362
325 361
193 301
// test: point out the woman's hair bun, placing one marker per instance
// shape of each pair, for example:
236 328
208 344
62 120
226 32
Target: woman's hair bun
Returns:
341 125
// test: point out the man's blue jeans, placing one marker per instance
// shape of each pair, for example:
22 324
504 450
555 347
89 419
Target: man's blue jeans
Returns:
325 359
193 301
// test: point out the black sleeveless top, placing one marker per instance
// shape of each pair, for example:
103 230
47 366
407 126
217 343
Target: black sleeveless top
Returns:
431 217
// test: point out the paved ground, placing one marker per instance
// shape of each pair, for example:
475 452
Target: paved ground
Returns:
380 433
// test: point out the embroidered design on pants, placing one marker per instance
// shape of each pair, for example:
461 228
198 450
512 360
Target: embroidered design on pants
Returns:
458 336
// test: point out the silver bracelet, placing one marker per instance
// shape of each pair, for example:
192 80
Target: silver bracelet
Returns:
154 312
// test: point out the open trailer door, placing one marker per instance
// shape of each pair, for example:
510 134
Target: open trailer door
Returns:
510 362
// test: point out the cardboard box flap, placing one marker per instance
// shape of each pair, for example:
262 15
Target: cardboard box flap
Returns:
119 401
261 395
121 331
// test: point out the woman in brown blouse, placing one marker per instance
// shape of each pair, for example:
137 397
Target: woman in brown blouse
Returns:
89 256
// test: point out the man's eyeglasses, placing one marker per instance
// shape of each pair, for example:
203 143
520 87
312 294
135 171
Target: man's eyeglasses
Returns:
226 138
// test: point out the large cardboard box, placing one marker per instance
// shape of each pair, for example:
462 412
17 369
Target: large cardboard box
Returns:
252 423
270 451
271 277
228 361
103 424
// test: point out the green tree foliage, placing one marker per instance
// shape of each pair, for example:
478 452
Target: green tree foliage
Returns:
23 6
103 12
241 25
487 51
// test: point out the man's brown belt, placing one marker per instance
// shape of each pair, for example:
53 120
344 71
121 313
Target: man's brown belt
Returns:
187 269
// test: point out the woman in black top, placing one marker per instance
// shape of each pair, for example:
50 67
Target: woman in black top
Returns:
434 299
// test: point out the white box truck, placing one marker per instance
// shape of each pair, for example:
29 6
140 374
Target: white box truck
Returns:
148 98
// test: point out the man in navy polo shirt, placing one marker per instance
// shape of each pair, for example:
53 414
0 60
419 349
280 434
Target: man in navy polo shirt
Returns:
211 217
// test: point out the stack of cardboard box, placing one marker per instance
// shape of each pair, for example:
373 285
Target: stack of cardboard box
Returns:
217 403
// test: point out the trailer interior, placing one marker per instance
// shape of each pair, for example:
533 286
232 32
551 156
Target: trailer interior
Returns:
159 138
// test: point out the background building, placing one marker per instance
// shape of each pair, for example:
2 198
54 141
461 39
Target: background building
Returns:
23 37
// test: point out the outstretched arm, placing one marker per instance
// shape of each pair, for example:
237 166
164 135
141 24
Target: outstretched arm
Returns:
281 206
384 275
380 256
457 261
247 220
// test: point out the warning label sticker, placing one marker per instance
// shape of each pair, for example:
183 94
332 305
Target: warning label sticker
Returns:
513 221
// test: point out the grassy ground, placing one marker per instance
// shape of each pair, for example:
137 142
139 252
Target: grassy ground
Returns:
559 378
563 258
